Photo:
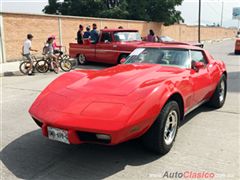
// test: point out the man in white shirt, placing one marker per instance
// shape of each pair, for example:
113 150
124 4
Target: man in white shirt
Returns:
27 48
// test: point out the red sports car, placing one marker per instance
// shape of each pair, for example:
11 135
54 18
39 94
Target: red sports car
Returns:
147 96
237 46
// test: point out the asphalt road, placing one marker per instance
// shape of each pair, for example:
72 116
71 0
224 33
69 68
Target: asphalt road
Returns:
208 141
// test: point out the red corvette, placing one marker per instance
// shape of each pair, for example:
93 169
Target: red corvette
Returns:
147 96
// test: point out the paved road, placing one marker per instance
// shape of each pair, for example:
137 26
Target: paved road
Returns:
208 141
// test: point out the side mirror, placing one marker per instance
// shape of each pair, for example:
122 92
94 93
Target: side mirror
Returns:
198 65
106 41
123 60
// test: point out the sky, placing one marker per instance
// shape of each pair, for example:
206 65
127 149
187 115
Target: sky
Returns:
211 10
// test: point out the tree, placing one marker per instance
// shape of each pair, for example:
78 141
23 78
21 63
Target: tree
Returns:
164 11
148 10
52 8
114 9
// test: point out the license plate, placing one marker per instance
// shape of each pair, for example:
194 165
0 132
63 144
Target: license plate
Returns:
58 135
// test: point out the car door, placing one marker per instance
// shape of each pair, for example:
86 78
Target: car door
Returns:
201 78
104 48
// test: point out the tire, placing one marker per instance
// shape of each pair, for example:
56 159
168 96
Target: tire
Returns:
82 59
120 57
161 135
66 65
24 67
218 98
42 66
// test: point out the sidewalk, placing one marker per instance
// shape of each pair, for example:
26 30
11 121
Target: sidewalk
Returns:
10 69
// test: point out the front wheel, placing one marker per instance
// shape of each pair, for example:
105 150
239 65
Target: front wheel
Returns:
219 96
160 137
66 65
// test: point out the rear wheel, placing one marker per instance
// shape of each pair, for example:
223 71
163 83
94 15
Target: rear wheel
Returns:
82 59
219 96
160 137
42 66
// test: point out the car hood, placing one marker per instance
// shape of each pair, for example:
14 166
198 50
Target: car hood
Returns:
122 79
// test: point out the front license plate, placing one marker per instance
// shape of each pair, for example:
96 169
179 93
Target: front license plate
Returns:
58 135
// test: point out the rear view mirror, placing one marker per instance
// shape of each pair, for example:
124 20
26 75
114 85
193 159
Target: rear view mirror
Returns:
123 60
198 65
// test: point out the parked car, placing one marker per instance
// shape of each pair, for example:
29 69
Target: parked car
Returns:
168 40
237 46
145 97
113 45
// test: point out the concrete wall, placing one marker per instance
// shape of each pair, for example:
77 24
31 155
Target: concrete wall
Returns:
17 26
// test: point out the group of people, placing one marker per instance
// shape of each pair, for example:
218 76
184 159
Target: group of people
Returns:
93 34
50 49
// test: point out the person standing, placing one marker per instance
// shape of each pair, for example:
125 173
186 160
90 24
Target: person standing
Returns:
87 33
151 36
26 51
94 34
80 35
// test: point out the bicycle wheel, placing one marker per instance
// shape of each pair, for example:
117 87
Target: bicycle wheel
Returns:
66 65
24 67
55 67
42 66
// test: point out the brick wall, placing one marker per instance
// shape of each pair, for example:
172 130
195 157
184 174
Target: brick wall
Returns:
17 26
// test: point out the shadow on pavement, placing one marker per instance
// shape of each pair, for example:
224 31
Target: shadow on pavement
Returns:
233 54
233 81
33 156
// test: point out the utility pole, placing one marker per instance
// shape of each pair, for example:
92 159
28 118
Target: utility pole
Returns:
199 22
222 14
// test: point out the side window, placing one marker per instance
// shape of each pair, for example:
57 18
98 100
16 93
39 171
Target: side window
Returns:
106 37
198 56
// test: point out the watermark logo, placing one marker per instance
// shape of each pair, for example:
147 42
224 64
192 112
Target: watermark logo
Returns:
185 175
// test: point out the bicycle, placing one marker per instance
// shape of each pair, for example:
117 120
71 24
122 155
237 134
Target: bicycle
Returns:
25 65
47 63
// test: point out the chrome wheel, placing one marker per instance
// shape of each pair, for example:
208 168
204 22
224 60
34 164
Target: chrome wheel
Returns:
82 59
222 91
171 127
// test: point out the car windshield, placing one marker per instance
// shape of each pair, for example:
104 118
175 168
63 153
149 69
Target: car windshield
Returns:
127 36
167 57
165 39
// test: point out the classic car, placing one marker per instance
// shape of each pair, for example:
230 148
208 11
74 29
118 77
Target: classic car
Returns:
146 97
113 45
237 46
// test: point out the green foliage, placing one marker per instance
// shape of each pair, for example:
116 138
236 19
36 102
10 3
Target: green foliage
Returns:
148 10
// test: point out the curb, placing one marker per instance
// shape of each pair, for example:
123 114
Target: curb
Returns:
11 73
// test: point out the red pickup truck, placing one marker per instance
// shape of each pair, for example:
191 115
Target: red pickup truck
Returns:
112 46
